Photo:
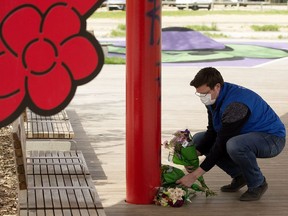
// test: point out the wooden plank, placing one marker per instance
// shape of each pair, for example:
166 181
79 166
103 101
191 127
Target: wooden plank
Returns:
40 212
66 130
100 212
50 129
45 128
57 166
67 212
76 212
63 162
71 193
35 129
19 147
78 192
40 127
49 212
63 193
79 168
89 194
61 129
72 197
48 196
58 212
56 130
31 194
22 199
30 212
55 194
36 168
84 212
43 161
40 202
57 127
94 212
23 212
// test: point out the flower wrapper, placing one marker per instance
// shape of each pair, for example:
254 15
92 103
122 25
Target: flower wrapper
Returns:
185 153
171 174
186 156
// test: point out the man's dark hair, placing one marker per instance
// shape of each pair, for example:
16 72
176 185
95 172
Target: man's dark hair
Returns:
209 76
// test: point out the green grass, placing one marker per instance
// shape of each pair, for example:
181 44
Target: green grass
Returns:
119 32
114 60
265 28
226 12
122 14
213 27
215 35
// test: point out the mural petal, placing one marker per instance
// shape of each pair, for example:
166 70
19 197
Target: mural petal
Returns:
12 77
58 29
55 87
20 27
11 104
81 57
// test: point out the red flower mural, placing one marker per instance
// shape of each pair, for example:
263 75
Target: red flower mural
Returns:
45 53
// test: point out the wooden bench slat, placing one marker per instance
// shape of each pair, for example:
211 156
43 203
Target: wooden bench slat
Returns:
72 197
57 163
49 212
40 203
48 198
56 126
31 196
58 182
56 200
76 212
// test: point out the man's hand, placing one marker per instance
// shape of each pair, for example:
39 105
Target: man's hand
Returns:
190 178
187 180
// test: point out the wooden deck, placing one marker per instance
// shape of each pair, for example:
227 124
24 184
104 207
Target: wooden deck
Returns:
97 114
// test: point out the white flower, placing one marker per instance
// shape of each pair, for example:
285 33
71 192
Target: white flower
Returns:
176 194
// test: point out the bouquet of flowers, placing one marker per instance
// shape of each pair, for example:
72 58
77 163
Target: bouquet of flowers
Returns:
184 153
171 194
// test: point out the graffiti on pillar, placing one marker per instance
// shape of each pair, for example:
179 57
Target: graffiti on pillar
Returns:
154 15
45 53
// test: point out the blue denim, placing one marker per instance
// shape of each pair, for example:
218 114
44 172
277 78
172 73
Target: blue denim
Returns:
244 150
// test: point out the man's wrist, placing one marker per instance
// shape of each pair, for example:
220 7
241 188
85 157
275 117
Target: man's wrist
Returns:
199 172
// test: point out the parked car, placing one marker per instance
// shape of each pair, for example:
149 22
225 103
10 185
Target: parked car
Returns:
235 2
193 4
170 3
116 4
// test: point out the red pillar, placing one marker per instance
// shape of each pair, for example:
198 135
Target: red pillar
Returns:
143 100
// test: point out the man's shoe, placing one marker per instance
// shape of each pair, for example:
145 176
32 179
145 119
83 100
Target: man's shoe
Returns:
255 193
236 184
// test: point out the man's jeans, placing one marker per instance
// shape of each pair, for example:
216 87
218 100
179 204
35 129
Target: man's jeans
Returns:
243 151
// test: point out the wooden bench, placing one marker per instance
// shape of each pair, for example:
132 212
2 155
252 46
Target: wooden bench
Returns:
48 127
53 182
